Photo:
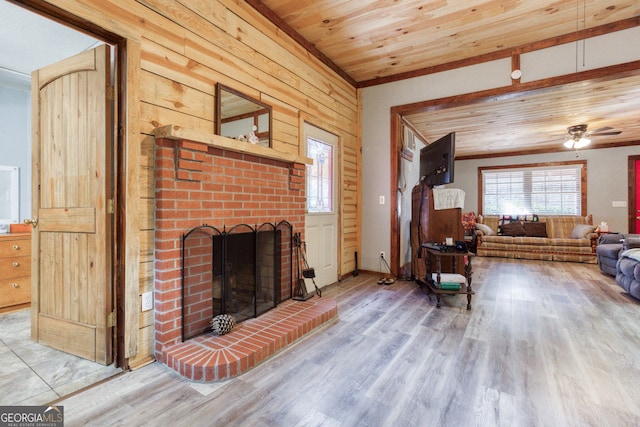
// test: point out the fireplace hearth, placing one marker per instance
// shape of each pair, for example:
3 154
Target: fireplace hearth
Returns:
243 272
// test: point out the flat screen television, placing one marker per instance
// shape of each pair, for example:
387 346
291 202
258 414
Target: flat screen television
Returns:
437 161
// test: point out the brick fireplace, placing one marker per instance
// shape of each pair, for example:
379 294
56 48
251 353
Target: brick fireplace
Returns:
199 183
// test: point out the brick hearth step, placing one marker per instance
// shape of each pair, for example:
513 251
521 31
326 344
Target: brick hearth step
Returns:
214 358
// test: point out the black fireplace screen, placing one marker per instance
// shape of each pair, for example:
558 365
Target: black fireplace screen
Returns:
243 272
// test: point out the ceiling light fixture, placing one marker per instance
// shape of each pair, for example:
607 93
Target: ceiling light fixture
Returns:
577 142
576 138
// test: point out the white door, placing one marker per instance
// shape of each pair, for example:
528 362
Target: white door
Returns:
321 229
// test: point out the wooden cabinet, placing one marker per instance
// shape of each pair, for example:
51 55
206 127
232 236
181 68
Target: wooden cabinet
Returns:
15 270
431 225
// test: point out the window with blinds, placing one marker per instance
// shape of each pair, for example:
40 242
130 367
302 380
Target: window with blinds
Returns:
544 190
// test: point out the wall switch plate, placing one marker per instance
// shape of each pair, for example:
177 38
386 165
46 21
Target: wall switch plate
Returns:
147 301
619 204
382 200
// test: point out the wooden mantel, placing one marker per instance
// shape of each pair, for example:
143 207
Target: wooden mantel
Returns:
224 143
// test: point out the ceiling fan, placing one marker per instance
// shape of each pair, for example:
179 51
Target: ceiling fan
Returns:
578 135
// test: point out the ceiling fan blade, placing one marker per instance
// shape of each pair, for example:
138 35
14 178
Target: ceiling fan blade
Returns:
601 129
618 132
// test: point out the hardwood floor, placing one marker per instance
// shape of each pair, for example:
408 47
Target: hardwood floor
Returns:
546 344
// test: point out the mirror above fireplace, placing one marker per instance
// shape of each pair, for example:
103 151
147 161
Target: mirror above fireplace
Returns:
241 117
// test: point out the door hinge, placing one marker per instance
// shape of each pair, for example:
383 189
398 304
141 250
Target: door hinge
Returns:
110 206
111 319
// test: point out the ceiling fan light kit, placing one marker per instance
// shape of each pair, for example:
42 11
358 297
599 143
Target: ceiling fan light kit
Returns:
578 135
577 142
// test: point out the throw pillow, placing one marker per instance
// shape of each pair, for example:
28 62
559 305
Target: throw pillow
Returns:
581 231
513 229
469 221
535 229
506 219
486 230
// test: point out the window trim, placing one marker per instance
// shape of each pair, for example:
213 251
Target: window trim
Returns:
583 178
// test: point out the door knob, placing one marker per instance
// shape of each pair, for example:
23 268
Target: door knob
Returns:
33 222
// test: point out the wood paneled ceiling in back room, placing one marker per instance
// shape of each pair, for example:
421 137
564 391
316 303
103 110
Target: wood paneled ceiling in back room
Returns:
376 41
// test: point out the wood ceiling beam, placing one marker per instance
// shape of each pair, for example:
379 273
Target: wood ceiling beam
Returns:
519 89
542 151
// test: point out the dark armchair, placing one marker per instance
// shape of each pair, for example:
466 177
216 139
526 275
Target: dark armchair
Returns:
608 248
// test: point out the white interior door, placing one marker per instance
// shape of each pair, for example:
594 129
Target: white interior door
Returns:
321 222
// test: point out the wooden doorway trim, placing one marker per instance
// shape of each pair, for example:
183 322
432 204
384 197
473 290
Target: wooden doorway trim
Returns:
394 154
125 167
480 97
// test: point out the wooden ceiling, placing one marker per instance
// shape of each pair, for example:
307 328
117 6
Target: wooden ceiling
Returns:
377 41
371 39
537 121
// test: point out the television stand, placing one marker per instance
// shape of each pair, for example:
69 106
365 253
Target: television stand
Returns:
434 286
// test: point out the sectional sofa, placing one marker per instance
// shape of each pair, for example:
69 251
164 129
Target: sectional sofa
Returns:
550 238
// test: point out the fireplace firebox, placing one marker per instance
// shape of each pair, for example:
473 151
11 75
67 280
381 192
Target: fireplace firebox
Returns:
243 272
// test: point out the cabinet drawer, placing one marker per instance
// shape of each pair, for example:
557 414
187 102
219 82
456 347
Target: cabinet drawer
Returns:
18 266
15 291
15 247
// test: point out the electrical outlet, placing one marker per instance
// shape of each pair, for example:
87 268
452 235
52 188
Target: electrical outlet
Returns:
382 255
147 301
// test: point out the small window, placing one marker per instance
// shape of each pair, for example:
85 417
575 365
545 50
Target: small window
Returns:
9 194
550 189
319 177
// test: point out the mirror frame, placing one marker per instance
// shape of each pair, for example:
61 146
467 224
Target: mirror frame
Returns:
218 121
10 182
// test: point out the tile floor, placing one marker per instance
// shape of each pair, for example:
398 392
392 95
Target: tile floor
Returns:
33 374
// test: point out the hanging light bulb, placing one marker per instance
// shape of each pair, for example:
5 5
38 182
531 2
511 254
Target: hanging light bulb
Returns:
577 142
582 142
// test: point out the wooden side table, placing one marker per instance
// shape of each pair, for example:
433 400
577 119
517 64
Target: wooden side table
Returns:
432 286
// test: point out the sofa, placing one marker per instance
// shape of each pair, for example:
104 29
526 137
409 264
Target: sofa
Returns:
623 252
549 238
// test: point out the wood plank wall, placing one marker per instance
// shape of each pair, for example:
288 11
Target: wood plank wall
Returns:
186 46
